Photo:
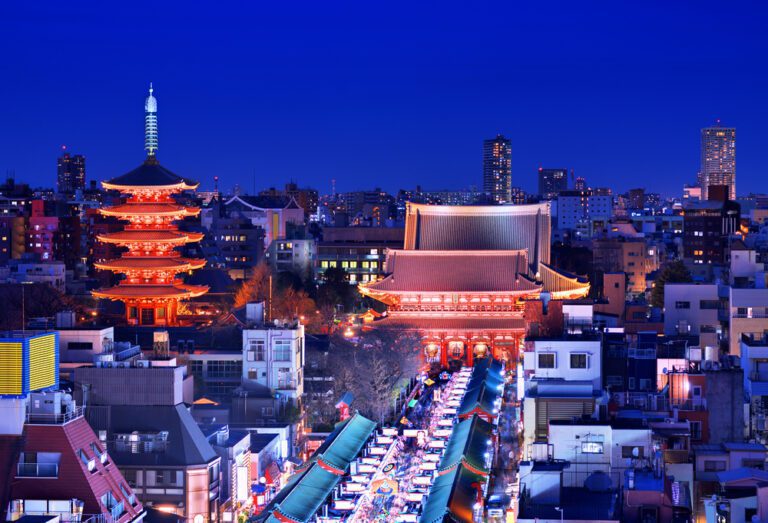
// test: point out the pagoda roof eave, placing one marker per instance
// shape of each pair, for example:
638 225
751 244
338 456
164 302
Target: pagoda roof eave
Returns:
182 186
138 292
148 209
159 264
142 236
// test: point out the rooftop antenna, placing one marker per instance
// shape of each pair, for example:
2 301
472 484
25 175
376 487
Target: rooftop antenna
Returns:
150 124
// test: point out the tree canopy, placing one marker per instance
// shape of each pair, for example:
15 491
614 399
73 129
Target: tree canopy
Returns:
673 272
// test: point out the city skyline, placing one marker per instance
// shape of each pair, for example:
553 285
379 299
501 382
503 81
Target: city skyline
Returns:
386 120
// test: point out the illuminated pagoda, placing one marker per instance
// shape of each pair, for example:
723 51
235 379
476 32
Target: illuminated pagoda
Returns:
151 289
464 275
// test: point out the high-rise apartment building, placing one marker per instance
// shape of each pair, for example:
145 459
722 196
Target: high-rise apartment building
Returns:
551 182
70 173
718 159
497 169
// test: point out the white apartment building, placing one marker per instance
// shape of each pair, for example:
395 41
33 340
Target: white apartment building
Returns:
691 308
570 360
599 446
748 315
273 358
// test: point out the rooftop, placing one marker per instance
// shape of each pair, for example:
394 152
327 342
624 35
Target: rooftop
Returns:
150 174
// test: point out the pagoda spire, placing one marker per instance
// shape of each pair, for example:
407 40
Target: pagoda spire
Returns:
150 124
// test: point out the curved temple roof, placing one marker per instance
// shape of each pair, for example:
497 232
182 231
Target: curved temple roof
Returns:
149 174
149 209
159 236
155 264
455 271
135 291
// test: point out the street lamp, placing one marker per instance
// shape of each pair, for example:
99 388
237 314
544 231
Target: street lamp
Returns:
560 510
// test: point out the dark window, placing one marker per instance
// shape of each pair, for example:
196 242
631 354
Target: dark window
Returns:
578 361
714 465
547 361
682 305
627 451
80 345
709 304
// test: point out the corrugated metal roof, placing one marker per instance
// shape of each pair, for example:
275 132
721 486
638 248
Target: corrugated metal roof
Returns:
452 497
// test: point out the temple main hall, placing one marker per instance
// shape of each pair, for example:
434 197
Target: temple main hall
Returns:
464 275
151 289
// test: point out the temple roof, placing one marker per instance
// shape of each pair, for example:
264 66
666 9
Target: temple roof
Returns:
459 323
149 174
477 227
156 209
180 264
455 272
177 291
562 283
160 236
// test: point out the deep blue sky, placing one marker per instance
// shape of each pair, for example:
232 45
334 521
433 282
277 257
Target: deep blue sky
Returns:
385 93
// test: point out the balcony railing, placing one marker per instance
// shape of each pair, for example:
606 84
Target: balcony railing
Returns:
756 315
37 470
690 404
41 418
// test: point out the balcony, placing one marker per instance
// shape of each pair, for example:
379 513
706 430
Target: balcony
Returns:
699 404
37 470
62 418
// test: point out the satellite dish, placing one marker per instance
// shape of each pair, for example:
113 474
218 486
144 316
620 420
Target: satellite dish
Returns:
635 452
664 370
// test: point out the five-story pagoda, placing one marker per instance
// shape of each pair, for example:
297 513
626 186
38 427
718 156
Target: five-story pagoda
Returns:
151 289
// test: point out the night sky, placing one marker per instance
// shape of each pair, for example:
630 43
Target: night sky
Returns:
384 94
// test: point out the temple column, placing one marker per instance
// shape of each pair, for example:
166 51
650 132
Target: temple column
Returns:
443 353
470 352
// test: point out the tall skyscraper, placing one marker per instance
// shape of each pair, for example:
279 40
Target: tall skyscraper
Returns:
497 169
551 182
718 159
70 173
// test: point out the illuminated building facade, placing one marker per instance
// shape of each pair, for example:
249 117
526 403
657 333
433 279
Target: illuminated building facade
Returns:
551 182
151 289
70 171
463 277
718 159
497 169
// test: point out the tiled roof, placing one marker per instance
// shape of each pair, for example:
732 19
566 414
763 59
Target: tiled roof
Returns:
455 271
150 236
458 323
161 209
74 480
150 174
498 227
150 291
557 281
166 263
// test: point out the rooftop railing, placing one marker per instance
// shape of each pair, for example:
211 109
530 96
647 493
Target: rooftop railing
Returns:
44 418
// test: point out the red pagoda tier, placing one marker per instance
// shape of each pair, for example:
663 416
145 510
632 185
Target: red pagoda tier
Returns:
151 289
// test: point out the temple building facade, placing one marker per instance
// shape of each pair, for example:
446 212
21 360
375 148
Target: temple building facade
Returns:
464 276
151 289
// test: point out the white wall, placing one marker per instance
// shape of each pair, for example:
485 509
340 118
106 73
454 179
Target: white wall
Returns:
563 350
270 372
96 337
695 316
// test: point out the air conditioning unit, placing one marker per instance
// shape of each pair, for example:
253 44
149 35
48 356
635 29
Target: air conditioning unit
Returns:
143 364
122 364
